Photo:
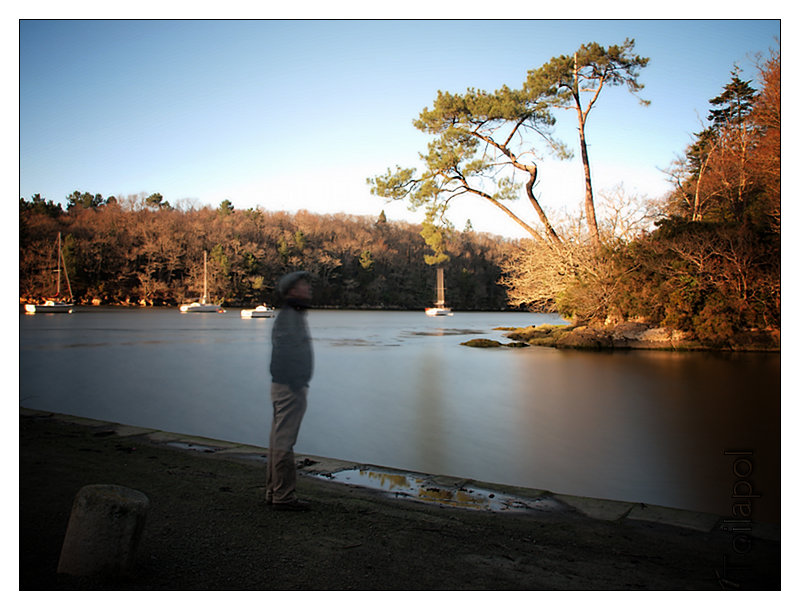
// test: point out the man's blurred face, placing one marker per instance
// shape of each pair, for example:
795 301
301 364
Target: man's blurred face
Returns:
301 290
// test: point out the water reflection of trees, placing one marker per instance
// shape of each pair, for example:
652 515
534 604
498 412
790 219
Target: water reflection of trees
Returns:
647 426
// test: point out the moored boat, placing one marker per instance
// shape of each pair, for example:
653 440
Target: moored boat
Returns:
438 311
49 306
202 306
262 311
439 308
56 304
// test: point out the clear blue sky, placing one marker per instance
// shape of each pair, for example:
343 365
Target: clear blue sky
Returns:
297 114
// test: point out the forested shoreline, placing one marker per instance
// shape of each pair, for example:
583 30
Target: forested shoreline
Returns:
141 250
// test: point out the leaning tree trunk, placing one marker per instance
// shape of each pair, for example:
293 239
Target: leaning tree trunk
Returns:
551 232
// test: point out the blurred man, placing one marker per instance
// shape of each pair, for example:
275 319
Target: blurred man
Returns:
291 368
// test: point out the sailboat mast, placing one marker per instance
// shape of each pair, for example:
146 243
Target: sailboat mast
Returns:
58 267
205 274
440 287
66 277
62 262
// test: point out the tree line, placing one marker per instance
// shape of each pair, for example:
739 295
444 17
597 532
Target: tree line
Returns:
711 267
143 250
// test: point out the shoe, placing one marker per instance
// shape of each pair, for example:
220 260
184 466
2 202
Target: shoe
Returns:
294 505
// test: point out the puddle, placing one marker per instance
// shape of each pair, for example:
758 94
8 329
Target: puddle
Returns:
425 490
192 446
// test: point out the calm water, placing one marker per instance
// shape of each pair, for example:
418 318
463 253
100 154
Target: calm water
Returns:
396 389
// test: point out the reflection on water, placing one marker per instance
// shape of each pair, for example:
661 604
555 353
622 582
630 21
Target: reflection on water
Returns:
422 489
652 425
398 389
443 332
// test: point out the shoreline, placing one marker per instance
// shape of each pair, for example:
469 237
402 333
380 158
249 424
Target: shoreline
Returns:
635 335
327 468
208 527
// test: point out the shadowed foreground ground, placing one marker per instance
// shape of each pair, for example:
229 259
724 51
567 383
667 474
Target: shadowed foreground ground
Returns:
208 528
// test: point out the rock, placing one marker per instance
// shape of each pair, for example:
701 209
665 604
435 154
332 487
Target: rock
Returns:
584 337
104 529
660 338
656 335
630 331
522 334
482 343
546 334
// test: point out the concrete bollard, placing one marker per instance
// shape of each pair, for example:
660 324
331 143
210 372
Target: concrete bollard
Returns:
104 529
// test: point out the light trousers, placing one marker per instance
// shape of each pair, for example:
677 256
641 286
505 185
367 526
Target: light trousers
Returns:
288 409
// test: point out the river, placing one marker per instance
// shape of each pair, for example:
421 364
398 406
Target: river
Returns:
397 389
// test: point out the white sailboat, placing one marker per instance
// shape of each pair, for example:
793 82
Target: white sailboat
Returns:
439 308
56 304
202 306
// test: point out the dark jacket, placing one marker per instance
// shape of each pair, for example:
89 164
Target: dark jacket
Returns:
292 358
